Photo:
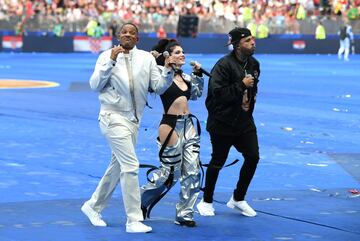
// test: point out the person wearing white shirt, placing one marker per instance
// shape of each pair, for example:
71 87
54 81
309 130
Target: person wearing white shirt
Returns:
346 38
123 76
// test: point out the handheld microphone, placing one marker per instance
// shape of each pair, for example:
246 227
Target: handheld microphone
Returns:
193 63
249 90
166 54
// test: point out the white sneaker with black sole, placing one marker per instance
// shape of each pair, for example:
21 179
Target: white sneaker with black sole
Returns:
205 209
94 217
137 227
242 206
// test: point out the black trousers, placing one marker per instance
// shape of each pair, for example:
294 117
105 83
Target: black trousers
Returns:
247 144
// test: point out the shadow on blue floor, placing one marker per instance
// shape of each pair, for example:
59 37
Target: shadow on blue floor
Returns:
52 155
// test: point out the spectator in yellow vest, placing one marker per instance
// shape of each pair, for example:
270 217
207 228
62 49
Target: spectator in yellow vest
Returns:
247 14
253 28
300 12
320 32
90 28
262 30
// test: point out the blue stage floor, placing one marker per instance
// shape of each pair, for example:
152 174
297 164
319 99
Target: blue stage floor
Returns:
52 154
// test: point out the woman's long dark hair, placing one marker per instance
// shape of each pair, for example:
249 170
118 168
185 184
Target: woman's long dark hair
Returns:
162 46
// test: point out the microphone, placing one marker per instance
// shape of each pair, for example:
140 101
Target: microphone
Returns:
193 63
166 54
249 90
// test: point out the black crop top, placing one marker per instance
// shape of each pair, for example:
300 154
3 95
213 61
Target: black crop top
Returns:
172 93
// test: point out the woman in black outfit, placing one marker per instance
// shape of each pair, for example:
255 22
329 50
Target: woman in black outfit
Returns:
178 141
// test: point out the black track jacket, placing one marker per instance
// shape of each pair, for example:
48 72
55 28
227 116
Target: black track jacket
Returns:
224 100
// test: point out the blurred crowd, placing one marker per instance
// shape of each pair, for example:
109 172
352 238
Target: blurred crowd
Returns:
216 16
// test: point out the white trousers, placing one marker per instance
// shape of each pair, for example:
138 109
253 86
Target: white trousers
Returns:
121 135
344 48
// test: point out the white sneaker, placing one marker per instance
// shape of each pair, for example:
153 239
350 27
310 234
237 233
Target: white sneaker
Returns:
244 207
137 227
94 217
205 209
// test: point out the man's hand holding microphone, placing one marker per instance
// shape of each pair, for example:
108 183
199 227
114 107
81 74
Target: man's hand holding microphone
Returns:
248 81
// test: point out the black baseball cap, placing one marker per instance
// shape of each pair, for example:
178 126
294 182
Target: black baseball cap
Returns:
236 34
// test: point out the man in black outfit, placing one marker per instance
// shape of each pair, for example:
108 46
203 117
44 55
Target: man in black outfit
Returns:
230 103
